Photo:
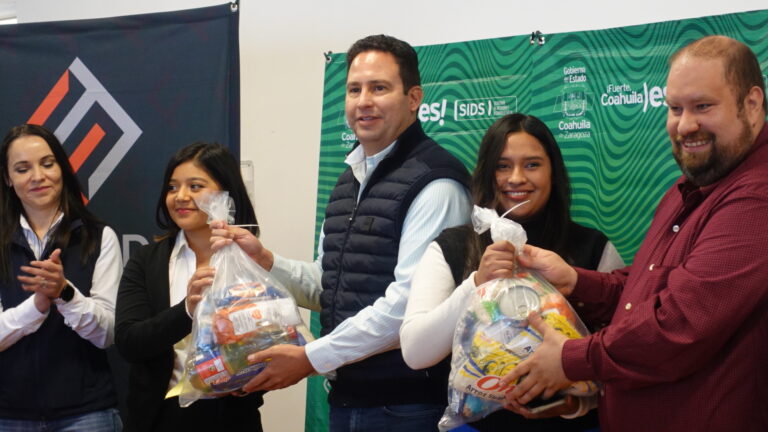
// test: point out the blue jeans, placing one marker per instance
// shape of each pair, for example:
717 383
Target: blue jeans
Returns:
98 421
389 418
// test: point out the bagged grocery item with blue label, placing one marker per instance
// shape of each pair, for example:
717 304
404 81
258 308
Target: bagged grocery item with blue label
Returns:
492 336
244 311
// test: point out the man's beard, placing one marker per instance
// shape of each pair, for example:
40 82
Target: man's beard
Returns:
705 169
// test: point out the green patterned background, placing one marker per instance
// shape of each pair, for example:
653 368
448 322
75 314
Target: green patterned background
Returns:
600 92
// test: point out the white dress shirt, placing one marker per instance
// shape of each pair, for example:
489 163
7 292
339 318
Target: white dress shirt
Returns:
181 266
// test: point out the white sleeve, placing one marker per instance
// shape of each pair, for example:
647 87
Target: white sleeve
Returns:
434 308
610 260
17 322
301 279
93 317
374 329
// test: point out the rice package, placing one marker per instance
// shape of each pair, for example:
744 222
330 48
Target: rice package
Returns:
493 336
244 311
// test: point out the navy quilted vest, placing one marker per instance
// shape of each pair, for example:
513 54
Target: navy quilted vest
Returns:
360 254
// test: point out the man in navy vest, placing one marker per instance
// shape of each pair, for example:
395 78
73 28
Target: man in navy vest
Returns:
399 192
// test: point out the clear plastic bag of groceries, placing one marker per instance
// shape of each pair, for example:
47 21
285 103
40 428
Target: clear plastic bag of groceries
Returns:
492 336
244 311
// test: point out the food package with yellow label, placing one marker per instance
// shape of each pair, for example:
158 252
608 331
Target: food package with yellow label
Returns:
493 336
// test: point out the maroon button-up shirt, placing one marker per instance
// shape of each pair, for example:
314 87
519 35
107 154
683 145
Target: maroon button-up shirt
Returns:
687 344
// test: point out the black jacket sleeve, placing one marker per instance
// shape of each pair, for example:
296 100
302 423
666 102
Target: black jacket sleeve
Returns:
146 326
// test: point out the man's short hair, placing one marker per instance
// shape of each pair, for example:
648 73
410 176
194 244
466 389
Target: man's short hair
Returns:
404 54
742 70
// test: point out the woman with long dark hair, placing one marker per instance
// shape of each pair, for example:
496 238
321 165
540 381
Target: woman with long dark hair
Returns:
160 289
59 270
518 162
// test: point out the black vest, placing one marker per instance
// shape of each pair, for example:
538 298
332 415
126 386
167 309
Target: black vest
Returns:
52 372
584 248
360 252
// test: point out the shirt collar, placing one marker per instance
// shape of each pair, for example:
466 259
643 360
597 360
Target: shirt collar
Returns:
28 228
363 165
180 246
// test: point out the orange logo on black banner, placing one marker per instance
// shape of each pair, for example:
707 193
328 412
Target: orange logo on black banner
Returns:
94 93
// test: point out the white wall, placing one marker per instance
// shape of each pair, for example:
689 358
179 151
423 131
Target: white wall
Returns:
281 46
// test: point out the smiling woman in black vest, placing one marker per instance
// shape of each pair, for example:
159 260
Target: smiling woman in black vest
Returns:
518 162
59 269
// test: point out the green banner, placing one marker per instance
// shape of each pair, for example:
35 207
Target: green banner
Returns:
600 92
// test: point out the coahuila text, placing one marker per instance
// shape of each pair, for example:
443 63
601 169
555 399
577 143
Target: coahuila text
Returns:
574 125
623 94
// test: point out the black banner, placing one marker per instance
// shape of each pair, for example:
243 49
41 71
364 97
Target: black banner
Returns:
123 94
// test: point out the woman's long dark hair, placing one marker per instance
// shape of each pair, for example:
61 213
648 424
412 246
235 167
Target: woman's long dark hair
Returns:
222 166
70 204
556 214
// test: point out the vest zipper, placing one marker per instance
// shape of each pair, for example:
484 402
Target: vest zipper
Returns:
341 258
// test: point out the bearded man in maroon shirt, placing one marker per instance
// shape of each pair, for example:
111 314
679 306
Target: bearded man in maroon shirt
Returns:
687 344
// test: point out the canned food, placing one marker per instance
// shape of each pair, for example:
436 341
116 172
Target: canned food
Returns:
517 301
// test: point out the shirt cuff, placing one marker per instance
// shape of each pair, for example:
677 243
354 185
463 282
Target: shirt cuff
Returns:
186 308
72 304
574 359
28 313
320 356
470 281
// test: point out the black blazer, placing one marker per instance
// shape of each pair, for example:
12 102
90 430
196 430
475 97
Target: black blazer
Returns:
146 328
